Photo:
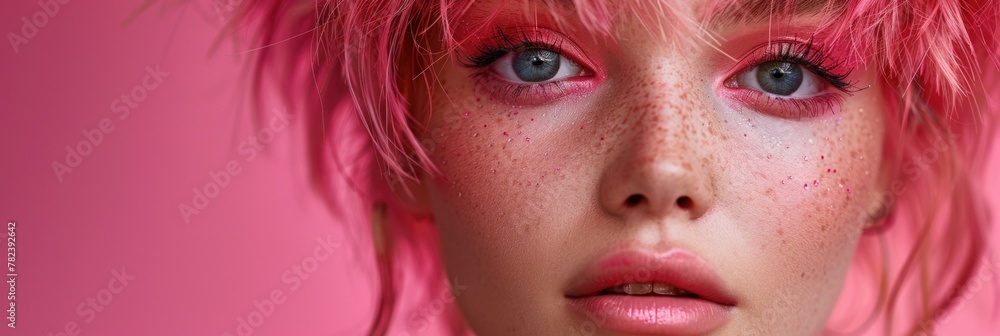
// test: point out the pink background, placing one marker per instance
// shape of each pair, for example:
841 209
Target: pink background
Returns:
119 208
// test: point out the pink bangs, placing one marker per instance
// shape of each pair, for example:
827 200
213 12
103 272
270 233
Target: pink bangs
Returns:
355 69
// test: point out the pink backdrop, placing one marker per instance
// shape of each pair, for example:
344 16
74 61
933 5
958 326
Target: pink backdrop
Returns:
102 247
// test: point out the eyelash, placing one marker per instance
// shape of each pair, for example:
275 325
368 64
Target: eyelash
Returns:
804 54
811 58
500 44
808 56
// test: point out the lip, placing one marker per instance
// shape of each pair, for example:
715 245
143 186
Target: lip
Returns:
666 315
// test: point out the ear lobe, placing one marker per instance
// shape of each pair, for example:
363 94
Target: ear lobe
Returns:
882 198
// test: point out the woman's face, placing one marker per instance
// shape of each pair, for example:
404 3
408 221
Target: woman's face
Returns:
640 184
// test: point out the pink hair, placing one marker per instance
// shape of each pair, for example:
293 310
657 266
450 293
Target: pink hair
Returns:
349 67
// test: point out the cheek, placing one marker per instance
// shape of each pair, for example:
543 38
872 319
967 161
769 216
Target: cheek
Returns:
800 194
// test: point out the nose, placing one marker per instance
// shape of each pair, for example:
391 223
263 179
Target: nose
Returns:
657 186
657 171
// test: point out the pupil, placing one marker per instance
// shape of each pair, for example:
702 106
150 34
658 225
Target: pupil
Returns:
779 77
536 65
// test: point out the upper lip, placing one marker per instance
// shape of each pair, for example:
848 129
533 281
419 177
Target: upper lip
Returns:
675 267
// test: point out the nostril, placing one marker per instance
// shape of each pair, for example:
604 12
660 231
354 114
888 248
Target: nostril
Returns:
633 200
684 202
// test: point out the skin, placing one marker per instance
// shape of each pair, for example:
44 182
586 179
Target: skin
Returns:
520 215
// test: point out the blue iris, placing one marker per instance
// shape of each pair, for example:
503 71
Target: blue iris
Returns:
780 78
536 65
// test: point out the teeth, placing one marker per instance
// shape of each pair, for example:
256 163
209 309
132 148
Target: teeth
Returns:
638 288
664 289
647 288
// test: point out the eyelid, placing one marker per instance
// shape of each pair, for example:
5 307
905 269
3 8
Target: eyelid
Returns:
811 58
817 60
538 37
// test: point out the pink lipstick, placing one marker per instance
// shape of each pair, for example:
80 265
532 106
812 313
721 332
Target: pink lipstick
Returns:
644 291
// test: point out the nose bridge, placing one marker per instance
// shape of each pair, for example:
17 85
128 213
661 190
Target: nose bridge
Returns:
658 171
664 111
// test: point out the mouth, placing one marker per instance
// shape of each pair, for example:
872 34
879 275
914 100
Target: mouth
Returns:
648 292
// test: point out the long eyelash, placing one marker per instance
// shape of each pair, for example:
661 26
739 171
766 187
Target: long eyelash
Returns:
810 57
501 43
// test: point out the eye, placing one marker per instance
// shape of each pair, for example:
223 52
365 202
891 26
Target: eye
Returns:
780 78
535 65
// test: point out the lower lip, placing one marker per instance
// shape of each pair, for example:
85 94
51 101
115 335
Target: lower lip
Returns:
666 315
